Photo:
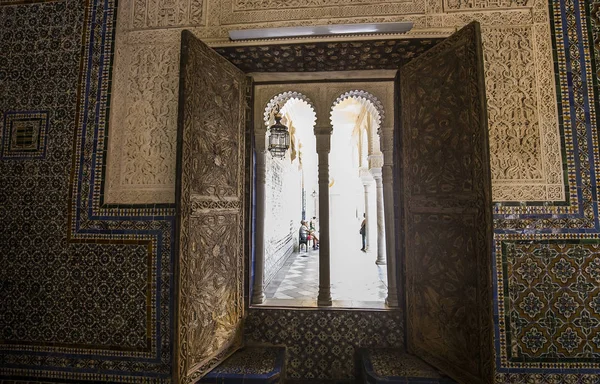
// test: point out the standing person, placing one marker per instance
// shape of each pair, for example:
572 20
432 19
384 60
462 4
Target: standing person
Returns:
363 233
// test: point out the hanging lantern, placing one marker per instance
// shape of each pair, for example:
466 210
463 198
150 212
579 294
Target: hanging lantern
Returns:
279 139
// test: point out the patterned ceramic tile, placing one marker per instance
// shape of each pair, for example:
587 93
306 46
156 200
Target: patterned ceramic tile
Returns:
321 344
384 365
24 135
85 289
250 363
546 264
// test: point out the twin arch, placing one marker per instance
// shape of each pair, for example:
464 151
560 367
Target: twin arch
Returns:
368 100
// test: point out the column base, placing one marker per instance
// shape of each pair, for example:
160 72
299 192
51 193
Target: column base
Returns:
392 301
258 298
324 299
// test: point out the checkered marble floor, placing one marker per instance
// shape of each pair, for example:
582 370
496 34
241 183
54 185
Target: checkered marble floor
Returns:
354 277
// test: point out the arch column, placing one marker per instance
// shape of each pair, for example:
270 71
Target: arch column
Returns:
323 136
381 248
258 295
387 144
367 181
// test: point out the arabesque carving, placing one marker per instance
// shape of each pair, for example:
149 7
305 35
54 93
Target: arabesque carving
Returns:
445 161
142 138
485 4
211 209
524 137
525 140
260 11
167 13
513 110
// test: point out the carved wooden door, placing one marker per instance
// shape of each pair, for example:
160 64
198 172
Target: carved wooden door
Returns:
446 210
210 209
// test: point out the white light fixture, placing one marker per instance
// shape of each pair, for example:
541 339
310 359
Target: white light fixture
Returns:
320 30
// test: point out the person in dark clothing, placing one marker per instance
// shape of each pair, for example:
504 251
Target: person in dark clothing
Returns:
363 233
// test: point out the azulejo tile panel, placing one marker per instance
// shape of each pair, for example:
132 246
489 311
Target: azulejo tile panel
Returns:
24 135
553 303
321 344
17 2
546 258
86 288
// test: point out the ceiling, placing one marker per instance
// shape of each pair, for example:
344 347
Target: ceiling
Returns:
327 56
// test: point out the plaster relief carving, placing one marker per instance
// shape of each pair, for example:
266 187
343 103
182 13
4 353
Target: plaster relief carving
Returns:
512 104
484 4
524 139
524 136
278 4
149 148
143 121
167 13
257 11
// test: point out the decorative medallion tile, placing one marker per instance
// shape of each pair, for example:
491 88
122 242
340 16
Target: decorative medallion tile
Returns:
24 135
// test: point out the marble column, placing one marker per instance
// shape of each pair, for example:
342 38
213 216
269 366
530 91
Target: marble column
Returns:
381 256
367 181
387 144
323 135
258 295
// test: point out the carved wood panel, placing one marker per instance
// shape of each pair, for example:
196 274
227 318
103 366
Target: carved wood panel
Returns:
447 200
210 203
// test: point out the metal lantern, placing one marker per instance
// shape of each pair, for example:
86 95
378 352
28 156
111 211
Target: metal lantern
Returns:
279 140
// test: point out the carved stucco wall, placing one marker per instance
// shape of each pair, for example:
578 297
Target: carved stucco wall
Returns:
524 132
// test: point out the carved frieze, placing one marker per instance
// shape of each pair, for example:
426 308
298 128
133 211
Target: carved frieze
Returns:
150 14
266 11
484 4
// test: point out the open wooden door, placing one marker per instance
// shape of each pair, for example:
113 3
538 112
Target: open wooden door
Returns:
446 210
210 209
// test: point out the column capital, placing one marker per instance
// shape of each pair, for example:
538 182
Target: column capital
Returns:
377 173
375 160
365 176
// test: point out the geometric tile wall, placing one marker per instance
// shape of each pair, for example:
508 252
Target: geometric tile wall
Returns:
547 287
85 289
322 344
111 316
